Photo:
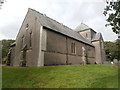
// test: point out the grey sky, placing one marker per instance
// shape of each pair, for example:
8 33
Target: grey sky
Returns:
69 12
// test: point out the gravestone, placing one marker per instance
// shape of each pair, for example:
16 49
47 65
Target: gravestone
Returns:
115 62
111 62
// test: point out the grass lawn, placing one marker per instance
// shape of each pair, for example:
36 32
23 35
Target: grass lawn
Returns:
65 76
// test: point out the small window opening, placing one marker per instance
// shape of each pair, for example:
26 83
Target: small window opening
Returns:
27 25
22 43
73 48
86 35
30 39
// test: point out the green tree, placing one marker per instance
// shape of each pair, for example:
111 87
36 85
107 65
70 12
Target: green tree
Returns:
112 11
5 47
1 3
112 51
118 48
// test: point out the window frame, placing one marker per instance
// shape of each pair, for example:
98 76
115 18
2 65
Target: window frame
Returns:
30 41
22 42
73 48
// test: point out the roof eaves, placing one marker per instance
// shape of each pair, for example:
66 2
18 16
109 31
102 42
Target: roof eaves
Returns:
68 35
94 40
82 30
74 34
13 44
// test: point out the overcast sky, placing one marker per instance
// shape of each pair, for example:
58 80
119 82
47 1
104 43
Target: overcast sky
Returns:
69 12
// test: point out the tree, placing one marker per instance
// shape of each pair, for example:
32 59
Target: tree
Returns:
118 48
6 46
1 2
0 52
112 11
112 50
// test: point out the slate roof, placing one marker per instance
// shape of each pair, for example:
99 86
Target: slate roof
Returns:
97 36
82 27
60 28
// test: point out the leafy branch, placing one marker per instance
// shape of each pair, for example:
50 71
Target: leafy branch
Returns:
112 12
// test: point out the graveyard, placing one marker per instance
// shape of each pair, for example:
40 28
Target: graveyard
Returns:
62 76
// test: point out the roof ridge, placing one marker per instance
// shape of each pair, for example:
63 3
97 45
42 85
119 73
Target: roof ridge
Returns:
59 23
35 11
82 27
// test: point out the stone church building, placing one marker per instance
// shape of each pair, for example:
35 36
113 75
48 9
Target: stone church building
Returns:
43 41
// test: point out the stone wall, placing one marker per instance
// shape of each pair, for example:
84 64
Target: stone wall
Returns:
86 34
30 26
12 55
56 49
98 55
59 50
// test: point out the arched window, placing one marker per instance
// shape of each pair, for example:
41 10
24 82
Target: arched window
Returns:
30 39
27 25
73 48
22 41
86 35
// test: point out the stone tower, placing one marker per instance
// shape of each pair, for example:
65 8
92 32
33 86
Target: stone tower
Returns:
96 39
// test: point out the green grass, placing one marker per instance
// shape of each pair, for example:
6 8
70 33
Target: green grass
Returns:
65 76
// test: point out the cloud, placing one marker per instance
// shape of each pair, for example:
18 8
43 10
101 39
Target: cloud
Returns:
9 31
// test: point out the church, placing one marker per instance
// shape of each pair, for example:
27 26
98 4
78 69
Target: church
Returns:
42 41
